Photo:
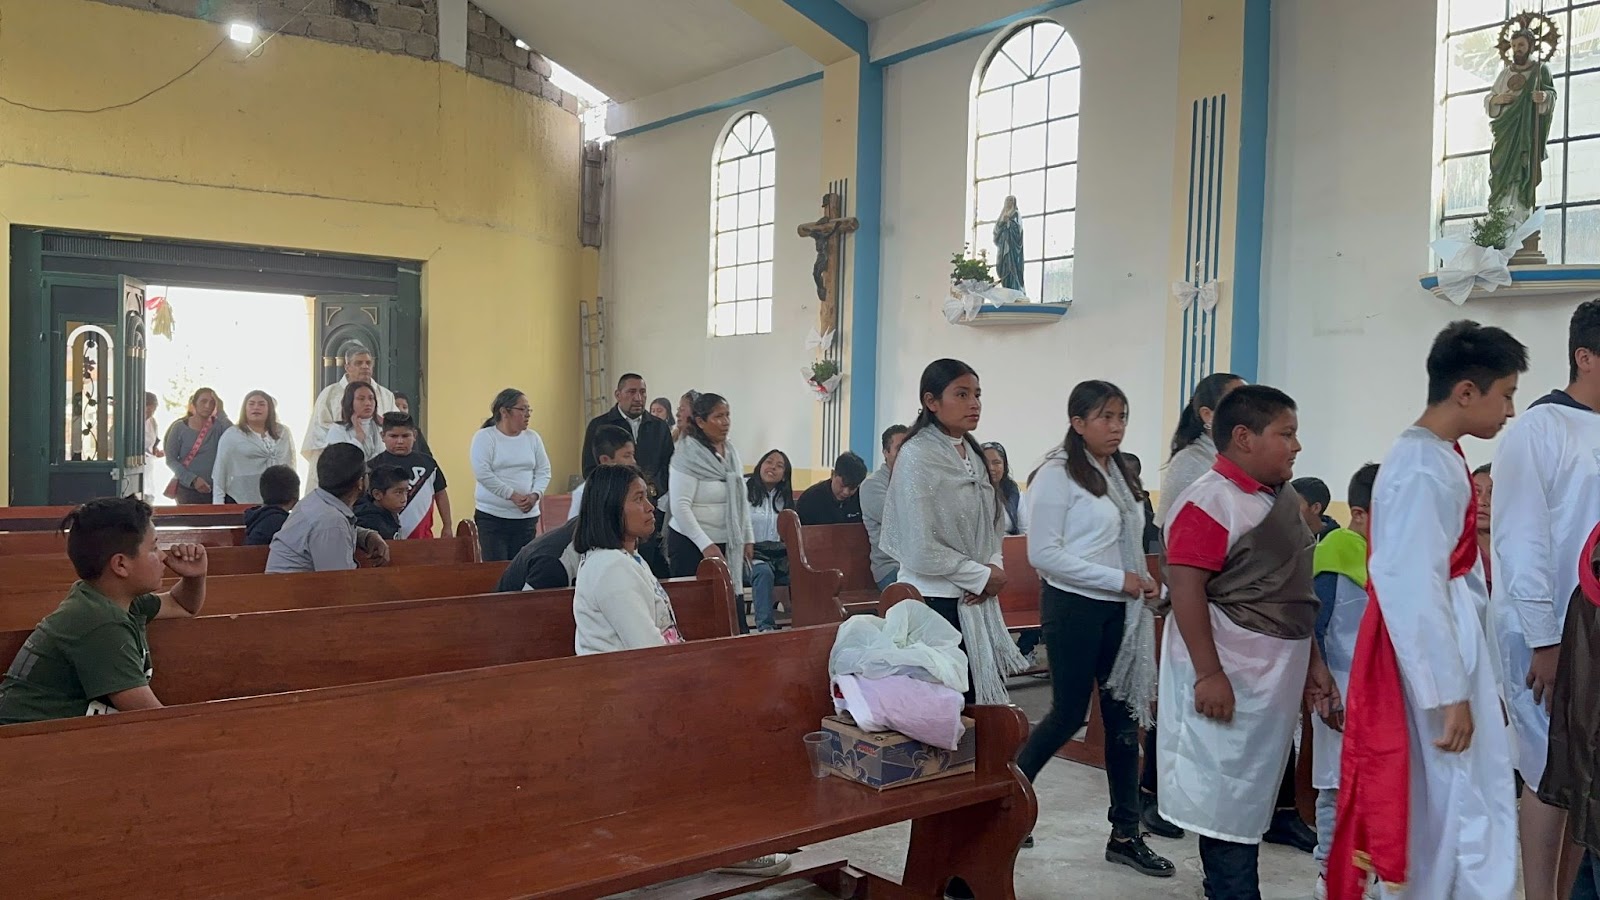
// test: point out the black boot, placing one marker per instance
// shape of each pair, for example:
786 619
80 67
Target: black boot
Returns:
1153 823
1290 830
1134 853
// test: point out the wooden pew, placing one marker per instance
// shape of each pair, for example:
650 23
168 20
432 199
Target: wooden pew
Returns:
48 518
17 543
553 510
216 657
48 570
234 594
830 570
568 778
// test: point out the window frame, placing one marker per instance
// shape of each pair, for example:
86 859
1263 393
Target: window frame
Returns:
1556 189
1049 230
740 289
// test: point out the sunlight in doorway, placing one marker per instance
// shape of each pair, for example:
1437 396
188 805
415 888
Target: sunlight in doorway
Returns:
233 342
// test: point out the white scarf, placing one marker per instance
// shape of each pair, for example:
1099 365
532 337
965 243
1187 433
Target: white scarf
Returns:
1133 675
938 515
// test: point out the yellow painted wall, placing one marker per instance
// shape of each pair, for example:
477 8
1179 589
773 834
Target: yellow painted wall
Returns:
315 146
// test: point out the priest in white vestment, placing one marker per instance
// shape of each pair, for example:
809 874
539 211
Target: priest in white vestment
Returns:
1547 499
358 365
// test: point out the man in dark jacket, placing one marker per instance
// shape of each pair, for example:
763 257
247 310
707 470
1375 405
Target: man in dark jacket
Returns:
652 451
652 438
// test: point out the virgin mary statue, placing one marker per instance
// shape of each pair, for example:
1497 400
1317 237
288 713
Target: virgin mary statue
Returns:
1008 246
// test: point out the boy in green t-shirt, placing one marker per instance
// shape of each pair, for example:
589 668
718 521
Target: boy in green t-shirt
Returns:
90 656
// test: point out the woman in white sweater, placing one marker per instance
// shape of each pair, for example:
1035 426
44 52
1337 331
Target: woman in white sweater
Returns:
512 471
618 604
259 442
1087 544
710 515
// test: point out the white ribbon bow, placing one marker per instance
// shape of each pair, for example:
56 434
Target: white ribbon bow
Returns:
816 342
1470 266
1208 294
968 297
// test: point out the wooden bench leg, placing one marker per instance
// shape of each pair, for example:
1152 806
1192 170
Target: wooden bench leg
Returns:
978 844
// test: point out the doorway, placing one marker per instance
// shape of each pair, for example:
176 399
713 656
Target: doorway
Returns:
231 318
191 345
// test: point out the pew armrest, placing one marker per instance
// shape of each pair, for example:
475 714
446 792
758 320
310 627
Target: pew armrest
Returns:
805 581
896 593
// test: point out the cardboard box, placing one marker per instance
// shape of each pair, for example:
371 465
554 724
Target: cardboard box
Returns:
889 759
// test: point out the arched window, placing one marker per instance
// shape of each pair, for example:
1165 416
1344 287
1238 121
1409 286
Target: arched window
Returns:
745 200
1025 126
1470 61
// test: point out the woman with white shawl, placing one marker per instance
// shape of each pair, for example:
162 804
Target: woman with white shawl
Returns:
942 524
709 514
1086 542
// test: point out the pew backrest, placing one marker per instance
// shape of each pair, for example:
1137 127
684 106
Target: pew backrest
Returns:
830 569
18 543
18 573
48 518
576 777
232 594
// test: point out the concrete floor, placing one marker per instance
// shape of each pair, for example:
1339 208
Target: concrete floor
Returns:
1068 860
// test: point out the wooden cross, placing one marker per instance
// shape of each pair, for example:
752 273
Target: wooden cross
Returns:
828 233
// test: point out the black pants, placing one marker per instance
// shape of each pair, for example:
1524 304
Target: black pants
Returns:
1587 886
1231 870
1028 640
683 559
949 608
502 539
1082 636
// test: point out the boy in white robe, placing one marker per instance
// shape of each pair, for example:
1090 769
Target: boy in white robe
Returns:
1426 796
1547 469
1240 657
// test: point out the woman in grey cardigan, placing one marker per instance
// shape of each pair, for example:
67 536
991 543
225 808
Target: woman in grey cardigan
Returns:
192 446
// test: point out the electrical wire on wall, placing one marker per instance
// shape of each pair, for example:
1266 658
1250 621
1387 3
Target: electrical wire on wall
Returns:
158 88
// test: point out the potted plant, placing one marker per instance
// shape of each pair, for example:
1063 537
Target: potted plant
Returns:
968 268
1494 229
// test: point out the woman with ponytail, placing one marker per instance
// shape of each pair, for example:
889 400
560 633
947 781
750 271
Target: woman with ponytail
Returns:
1086 541
1193 450
512 471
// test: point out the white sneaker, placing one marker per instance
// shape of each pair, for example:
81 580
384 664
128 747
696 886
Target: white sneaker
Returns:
760 867
1321 892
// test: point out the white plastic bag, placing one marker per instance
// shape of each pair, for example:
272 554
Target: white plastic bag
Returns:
911 636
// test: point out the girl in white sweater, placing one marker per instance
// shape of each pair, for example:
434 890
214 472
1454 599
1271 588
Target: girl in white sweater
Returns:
512 471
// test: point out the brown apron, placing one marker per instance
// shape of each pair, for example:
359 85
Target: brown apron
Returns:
1265 584
1569 774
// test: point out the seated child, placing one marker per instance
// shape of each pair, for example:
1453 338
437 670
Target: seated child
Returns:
280 489
90 656
321 534
388 491
613 446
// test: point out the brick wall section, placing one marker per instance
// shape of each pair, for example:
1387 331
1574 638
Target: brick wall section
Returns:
402 27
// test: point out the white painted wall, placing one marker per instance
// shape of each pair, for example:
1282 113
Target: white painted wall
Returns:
656 272
656 258
1345 328
1115 329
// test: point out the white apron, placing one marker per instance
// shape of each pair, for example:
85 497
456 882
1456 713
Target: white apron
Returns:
1221 779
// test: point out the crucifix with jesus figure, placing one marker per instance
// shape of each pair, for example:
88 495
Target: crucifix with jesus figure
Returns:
828 233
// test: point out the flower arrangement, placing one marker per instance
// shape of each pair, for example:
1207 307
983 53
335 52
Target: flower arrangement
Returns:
1494 229
822 378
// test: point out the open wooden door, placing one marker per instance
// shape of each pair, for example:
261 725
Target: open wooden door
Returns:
129 474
